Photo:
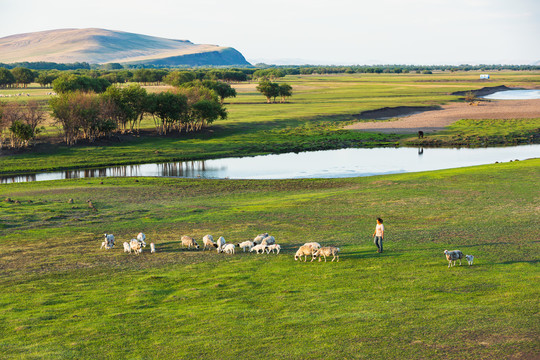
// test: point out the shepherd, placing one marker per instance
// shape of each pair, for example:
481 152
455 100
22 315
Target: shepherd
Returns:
379 235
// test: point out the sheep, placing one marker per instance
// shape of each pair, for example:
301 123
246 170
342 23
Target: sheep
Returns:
453 256
135 246
257 248
141 237
220 244
208 240
269 240
189 242
259 238
326 251
315 245
304 250
246 244
228 249
470 259
104 245
152 248
109 239
272 248
127 248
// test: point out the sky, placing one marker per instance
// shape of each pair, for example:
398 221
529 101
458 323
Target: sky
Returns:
339 32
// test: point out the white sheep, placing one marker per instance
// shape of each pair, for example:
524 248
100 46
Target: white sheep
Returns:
326 251
228 249
453 256
269 240
220 244
314 245
470 259
304 250
208 241
189 242
259 238
272 248
257 248
135 246
127 247
152 248
104 245
141 237
246 245
109 238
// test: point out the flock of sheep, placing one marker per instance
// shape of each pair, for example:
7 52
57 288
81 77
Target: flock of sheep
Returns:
261 243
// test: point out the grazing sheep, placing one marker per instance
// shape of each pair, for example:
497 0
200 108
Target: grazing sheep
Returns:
326 251
304 250
228 249
109 238
189 242
314 245
269 240
246 245
208 241
141 237
220 244
152 248
257 248
135 246
104 245
127 248
470 259
453 256
272 248
259 238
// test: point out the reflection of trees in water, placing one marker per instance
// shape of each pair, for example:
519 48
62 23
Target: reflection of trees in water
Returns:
420 151
182 169
20 178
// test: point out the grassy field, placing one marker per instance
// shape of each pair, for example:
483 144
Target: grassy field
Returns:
63 298
311 120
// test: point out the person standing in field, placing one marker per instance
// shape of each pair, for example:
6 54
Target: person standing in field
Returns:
379 235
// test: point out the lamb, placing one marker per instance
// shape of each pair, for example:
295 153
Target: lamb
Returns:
152 248
127 248
314 245
257 248
208 240
189 242
453 256
104 245
470 259
304 250
109 239
135 246
259 238
269 240
220 244
326 251
141 237
272 248
228 249
246 244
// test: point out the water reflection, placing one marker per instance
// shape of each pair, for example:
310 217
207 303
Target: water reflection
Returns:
315 164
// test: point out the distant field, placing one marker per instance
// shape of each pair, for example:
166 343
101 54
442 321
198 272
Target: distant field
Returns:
313 119
63 298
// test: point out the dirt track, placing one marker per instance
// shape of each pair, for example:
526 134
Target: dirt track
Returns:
434 120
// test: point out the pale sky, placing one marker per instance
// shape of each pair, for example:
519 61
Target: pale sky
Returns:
310 31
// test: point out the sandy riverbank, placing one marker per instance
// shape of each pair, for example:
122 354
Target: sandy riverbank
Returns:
435 120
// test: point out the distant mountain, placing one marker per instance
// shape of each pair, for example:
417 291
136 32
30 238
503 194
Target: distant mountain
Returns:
106 46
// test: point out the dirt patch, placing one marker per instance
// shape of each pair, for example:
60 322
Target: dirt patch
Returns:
431 121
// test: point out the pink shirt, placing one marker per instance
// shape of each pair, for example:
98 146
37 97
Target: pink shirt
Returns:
379 229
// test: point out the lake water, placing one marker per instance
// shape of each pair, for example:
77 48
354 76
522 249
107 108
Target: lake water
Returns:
514 95
315 164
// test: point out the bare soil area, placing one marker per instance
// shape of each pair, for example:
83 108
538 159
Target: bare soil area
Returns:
435 120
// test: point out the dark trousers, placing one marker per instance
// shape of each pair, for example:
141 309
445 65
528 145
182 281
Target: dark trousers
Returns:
378 242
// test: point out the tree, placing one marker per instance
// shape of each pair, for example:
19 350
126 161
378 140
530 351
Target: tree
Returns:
268 89
46 78
23 76
205 112
73 82
20 121
178 78
285 91
168 110
6 78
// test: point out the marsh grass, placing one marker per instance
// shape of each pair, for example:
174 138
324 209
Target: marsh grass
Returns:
62 297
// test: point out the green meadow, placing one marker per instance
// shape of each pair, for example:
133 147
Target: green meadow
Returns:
64 298
312 119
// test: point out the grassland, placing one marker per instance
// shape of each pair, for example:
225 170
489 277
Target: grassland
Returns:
64 298
313 119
